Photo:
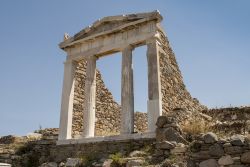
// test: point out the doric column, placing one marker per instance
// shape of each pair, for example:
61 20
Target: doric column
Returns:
154 84
127 92
67 101
90 98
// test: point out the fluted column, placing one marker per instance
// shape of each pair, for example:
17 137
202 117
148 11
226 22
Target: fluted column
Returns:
154 84
127 92
67 101
90 98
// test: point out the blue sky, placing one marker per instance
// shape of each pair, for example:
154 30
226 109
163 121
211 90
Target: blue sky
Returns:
211 40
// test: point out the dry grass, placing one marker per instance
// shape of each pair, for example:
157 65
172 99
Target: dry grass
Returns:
196 126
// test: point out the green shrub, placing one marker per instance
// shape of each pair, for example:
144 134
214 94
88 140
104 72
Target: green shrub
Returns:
117 159
87 160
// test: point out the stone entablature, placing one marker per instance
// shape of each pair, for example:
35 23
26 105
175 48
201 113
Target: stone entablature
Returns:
132 30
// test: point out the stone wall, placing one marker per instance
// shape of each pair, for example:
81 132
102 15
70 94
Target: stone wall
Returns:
170 148
174 92
107 110
22 152
209 150
230 120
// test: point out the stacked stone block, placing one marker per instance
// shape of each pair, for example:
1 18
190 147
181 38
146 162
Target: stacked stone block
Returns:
174 92
211 151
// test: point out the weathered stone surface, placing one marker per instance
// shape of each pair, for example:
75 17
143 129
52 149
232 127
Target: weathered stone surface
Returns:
169 134
5 165
209 163
216 150
237 140
195 146
135 162
10 139
158 152
73 162
245 158
231 120
233 150
107 163
225 160
49 164
201 155
210 138
179 149
165 145
227 145
161 121
137 153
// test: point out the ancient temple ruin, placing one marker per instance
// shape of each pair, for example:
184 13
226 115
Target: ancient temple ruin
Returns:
83 100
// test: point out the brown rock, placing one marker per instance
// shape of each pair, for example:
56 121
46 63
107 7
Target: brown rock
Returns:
209 163
245 158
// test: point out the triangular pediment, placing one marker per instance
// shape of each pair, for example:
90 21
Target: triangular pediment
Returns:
102 27
110 23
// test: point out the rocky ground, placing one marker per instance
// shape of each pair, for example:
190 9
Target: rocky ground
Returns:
183 139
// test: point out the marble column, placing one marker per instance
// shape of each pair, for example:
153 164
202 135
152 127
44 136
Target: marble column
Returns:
154 84
67 100
127 92
90 98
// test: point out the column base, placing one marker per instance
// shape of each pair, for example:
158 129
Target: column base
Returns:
134 136
154 111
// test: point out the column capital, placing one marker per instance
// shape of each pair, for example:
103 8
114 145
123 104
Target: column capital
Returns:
152 40
69 61
93 57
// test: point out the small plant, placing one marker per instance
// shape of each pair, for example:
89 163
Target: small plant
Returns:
87 160
145 163
147 149
117 159
33 160
172 159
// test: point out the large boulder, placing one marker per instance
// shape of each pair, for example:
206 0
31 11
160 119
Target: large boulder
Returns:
169 134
